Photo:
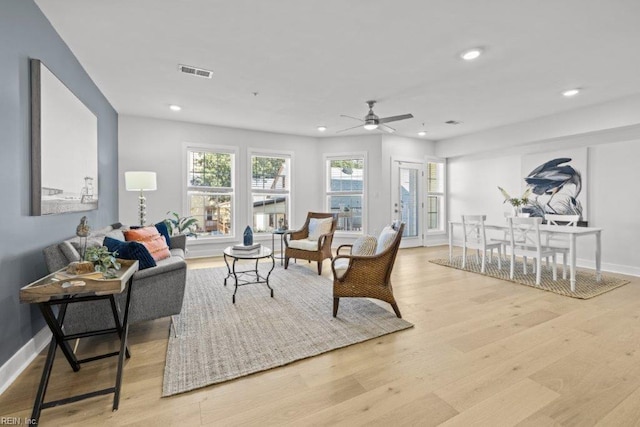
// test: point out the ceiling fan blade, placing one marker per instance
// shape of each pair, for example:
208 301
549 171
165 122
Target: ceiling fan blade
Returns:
355 118
344 130
386 128
395 118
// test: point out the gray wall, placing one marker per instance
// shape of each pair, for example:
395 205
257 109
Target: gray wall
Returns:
26 33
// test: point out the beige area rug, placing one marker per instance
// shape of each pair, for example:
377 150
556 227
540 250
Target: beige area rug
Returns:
219 341
586 284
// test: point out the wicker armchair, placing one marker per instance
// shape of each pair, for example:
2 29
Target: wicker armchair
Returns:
366 276
314 251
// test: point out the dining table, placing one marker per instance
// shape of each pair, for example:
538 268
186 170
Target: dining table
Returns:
571 233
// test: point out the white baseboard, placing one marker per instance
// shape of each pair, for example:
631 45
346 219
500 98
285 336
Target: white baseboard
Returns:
22 358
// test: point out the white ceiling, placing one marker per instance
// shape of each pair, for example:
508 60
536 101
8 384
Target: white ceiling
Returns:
312 60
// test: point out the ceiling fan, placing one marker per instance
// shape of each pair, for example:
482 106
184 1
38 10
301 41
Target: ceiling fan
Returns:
372 122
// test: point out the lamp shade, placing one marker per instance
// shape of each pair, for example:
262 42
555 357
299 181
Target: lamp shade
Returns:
140 180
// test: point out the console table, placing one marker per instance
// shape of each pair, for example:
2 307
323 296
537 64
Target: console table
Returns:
61 289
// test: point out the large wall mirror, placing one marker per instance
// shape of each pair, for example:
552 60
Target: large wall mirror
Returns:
64 147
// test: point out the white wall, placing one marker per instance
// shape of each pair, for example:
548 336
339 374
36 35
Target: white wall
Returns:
612 175
157 145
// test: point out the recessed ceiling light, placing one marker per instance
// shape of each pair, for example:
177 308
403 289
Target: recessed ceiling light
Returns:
175 107
571 92
471 54
422 133
322 128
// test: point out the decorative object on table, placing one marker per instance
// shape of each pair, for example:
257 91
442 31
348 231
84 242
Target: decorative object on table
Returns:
103 261
181 224
516 202
246 248
296 323
247 236
558 182
64 147
588 284
82 231
280 223
141 181
80 267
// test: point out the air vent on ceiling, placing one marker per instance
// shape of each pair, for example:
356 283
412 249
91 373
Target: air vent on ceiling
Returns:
195 71
452 122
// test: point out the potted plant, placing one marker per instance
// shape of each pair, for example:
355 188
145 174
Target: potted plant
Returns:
103 260
181 225
516 202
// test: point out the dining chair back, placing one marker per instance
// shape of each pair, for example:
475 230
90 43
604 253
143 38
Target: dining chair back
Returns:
474 236
559 242
525 241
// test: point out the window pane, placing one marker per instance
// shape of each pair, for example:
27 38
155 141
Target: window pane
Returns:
349 210
269 173
434 209
213 212
210 169
435 177
269 212
346 175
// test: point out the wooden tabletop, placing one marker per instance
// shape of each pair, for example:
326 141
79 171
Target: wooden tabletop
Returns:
60 283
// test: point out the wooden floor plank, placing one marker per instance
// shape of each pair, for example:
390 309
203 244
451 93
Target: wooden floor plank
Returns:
482 352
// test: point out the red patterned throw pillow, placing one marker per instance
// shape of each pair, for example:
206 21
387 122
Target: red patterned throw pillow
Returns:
151 239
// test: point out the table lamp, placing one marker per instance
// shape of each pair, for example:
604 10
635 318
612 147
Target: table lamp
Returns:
141 181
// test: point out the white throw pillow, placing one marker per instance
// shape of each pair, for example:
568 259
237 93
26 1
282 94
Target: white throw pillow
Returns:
385 239
365 245
318 227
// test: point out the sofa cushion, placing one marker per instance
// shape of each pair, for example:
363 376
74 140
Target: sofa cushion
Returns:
69 251
364 245
385 239
117 234
304 244
130 250
151 239
318 227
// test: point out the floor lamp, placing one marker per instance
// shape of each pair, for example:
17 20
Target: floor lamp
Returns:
141 181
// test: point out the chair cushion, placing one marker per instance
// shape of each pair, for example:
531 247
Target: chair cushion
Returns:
341 265
385 239
151 239
365 245
318 227
304 244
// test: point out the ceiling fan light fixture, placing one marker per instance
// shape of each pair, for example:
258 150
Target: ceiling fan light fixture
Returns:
371 126
471 54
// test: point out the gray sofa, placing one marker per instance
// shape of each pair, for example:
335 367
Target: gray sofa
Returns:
156 292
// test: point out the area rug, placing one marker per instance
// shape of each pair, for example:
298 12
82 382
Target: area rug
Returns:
218 341
586 284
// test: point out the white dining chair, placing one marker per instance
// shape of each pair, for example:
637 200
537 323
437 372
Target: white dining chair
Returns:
524 236
557 242
474 237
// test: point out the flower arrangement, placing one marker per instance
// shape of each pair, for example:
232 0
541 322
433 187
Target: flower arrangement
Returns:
515 201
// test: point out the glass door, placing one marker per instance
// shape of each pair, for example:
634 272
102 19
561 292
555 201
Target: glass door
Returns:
407 201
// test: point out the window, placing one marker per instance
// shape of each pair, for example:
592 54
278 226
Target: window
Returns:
435 196
345 190
270 191
210 190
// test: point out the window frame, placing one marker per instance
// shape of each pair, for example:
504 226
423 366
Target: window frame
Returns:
261 152
441 194
326 187
186 188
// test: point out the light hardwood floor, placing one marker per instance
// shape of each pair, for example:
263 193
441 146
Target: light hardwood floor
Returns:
482 352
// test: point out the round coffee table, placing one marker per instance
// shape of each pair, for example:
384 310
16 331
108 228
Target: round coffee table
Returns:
246 277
